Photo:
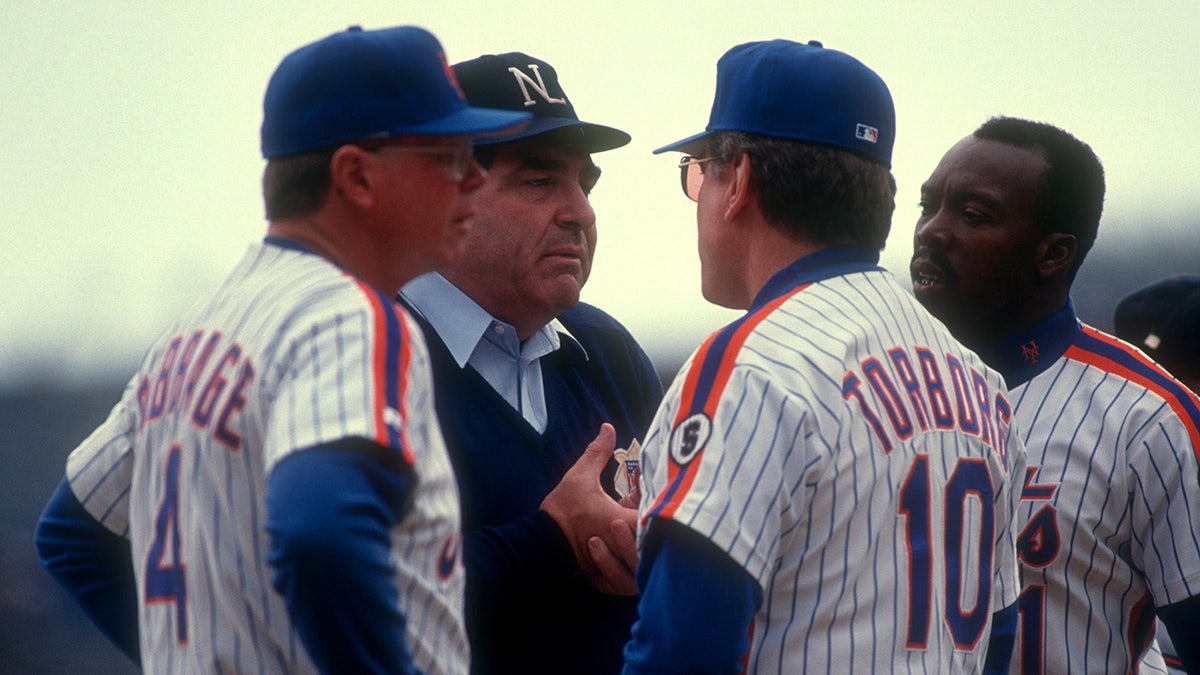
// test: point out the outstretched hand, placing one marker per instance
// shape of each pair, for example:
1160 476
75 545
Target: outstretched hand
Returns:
600 530
616 567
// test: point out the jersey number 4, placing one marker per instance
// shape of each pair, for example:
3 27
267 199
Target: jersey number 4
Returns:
969 481
166 575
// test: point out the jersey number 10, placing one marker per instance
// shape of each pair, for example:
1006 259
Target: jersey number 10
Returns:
968 481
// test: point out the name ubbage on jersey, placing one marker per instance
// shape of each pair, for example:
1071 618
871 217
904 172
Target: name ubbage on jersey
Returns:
176 385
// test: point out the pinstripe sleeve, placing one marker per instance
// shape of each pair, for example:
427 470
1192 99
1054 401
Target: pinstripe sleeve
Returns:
731 491
346 377
100 469
1166 509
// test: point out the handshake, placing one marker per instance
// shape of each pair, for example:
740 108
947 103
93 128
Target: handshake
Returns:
601 530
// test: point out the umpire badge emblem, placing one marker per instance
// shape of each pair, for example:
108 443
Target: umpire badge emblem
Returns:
1030 351
629 468
689 438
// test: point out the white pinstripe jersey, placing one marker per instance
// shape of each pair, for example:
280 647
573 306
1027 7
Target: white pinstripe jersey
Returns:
1110 517
855 460
290 352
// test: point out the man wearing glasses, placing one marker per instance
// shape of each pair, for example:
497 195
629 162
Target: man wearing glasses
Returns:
272 493
526 377
830 482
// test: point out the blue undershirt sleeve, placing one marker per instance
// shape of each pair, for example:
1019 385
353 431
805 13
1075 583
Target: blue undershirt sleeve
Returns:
1001 641
93 564
696 606
1182 620
330 510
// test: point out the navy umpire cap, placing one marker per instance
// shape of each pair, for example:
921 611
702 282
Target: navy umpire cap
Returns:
1163 320
359 84
800 92
516 81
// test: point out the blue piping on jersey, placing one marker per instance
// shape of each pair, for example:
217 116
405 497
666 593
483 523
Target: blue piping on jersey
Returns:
1165 385
283 242
814 267
394 344
1024 356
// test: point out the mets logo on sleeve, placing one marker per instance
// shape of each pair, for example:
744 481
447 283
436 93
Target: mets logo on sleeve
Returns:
689 437
448 558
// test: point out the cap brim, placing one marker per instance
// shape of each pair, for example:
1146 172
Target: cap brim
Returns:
590 137
471 121
686 145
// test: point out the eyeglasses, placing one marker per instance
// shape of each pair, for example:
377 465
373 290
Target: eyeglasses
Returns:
457 156
691 175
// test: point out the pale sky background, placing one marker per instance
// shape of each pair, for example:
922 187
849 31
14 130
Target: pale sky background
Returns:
130 180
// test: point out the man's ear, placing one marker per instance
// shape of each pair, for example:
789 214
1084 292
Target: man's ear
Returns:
1056 254
739 193
352 173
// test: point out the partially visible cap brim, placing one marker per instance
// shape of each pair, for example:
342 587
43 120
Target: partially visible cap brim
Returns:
685 145
592 137
471 121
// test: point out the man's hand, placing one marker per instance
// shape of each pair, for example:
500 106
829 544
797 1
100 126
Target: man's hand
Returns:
583 511
616 568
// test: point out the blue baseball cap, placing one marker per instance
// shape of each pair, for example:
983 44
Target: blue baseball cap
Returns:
803 92
517 81
362 83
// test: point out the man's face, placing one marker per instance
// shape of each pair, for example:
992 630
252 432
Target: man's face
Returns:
977 240
530 247
424 200
720 250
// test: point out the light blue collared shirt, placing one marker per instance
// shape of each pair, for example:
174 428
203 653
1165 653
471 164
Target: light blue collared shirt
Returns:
488 345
